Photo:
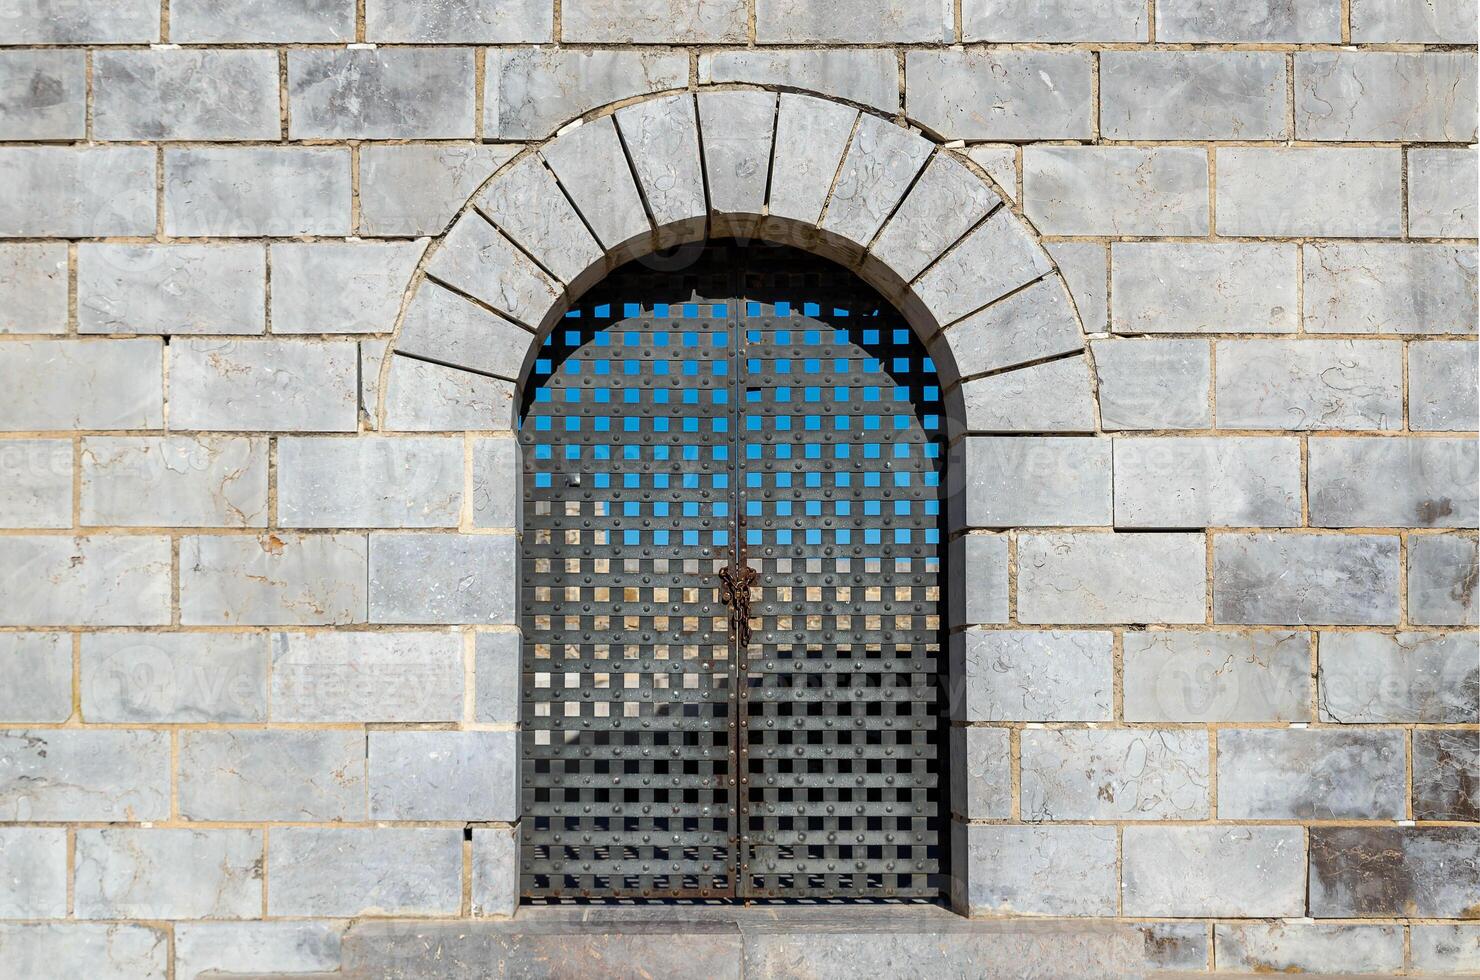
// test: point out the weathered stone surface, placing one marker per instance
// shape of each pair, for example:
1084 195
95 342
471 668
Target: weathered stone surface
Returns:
1453 949
1446 775
1338 579
35 677
988 94
263 947
1040 870
811 135
1372 95
1032 675
995 259
497 489
443 578
1310 384
1298 947
867 76
1442 575
168 874
257 190
174 481
738 126
43 95
654 21
662 138
1203 481
33 873
415 189
206 21
946 202
495 871
1084 267
1027 326
531 92
460 21
343 872
1293 21
1399 482
1053 20
498 678
424 397
286 579
1154 384
371 355
881 163
1317 192
1147 774
272 775
981 778
1052 397
1191 288
463 776
171 289
37 490
1213 871
192 94
340 287
33 287
1181 676
85 581
1188 95
854 22
367 677
113 951
370 482
1091 190
77 192
69 22
476 259
76 774
981 596
1380 678
1111 578
1362 287
592 168
445 327
999 160
1413 21
1442 199
1304 774
166 678
381 93
1420 872
1012 481
527 205
285 385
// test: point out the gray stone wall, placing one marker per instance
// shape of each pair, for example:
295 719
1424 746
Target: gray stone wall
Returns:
1215 661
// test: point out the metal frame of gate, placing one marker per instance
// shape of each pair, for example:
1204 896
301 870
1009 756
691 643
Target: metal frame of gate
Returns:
731 572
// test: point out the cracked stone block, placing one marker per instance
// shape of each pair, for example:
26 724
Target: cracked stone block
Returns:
113 774
531 92
256 947
1192 95
662 139
33 287
283 385
1154 384
1197 481
1378 872
852 22
339 287
1290 579
1446 775
1413 21
370 482
498 668
1086 577
946 202
654 22
33 872
463 776
989 94
425 397
262 21
1015 481
526 204
979 596
1094 190
174 481
497 488
85 581
365 678
1196 288
443 578
1218 676
1442 198
1313 192
811 137
345 872
867 76
981 779
188 94
1403 482
304 776
1227 872
171 289
37 490
1310 384
592 168
1299 947
99 951
877 171
1379 95
1306 774
738 127
1054 20
1028 325
1380 678
1032 675
35 677
43 95
272 580
459 22
1039 870
997 258
478 260
1292 21
1364 287
495 871
415 189
440 325
253 191
1148 774
381 93
1442 572
1452 949
168 874
70 22
169 678
77 192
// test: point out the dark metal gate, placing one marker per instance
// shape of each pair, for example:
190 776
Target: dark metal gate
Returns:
731 567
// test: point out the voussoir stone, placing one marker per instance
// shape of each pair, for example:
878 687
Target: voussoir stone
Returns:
946 202
811 136
992 261
738 127
445 327
662 138
425 397
526 203
477 259
592 167
1034 323
1055 396
877 170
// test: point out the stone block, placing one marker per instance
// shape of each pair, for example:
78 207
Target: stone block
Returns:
1277 579
415 189
463 776
592 168
174 481
878 170
1040 870
1218 676
70 22
996 259
365 678
1381 872
1310 192
497 483
370 481
1452 949
811 137
371 355
1299 947
1310 384
170 678
99 951
211 948
1228 872
85 581
340 287
168 874
302 776
77 192
1147 774
531 92
262 21
1111 578
1192 95
272 580
1197 288
1404 678
738 127
1055 396
867 76
1309 774
662 139
1007 94
43 95
851 22
527 205
1442 199
1014 481
1000 161
654 22
1029 325
381 93
254 191
1093 190
425 397
980 595
1154 384
445 327
344 872
33 872
1413 21
1401 482
1292 22
1032 675
35 677
443 578
1442 572
1084 266
1053 21
981 776
1206 481
171 289
282 385
33 287
1380 95
55 775
1446 775
185 94
37 489
459 22
77 384
946 203
497 668
478 260
1363 287
495 870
